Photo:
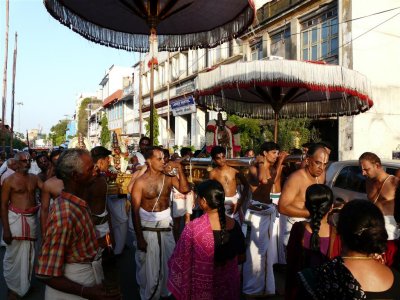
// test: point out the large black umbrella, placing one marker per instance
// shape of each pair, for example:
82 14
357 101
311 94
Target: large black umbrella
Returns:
179 24
284 88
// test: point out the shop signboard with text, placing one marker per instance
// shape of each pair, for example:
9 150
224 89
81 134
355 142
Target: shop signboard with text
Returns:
183 106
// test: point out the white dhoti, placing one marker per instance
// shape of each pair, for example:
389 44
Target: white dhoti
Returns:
151 266
391 228
229 202
258 274
287 223
119 221
181 203
103 228
87 274
20 254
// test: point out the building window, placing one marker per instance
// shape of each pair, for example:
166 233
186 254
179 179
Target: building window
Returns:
218 56
256 49
195 62
280 43
209 58
319 37
175 68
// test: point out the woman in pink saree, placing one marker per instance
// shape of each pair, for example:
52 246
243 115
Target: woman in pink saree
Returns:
204 264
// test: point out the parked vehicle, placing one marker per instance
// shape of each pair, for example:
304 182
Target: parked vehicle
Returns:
346 180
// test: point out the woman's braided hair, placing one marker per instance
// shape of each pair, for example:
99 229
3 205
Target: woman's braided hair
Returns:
319 200
213 192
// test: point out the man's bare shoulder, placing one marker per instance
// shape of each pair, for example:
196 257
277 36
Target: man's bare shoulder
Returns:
233 170
52 180
141 180
213 172
394 180
296 175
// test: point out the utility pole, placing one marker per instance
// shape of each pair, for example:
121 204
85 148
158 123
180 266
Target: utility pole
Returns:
168 99
13 93
3 114
140 97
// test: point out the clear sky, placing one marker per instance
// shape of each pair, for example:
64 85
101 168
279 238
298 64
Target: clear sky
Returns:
54 65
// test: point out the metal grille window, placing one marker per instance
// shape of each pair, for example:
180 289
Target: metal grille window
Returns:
319 37
280 43
256 50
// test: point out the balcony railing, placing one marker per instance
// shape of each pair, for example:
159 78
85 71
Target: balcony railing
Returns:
274 8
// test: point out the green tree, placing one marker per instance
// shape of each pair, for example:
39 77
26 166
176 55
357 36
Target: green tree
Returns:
18 143
105 135
156 128
57 132
253 132
83 114
292 133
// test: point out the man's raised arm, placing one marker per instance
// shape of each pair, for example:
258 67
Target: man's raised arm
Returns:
180 183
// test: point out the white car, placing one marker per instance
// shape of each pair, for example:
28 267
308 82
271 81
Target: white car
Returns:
346 180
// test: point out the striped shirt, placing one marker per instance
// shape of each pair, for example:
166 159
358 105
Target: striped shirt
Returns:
70 236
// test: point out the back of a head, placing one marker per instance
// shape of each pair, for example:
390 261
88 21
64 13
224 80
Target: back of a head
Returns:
269 146
69 163
361 227
55 153
371 157
319 200
185 151
166 154
217 150
99 152
213 192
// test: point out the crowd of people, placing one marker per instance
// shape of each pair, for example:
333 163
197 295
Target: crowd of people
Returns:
246 221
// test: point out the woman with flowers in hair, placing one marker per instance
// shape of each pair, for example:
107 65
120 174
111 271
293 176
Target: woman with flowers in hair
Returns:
312 242
205 261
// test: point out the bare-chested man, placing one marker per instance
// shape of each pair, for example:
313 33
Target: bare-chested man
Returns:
96 194
152 222
258 276
44 165
52 188
381 189
227 175
18 215
292 200
269 170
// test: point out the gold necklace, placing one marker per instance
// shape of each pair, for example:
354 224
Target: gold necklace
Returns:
358 257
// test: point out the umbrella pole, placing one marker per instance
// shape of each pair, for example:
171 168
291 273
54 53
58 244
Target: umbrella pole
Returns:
151 103
276 128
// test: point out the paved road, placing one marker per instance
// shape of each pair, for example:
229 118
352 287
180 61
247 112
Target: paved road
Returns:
126 265
129 288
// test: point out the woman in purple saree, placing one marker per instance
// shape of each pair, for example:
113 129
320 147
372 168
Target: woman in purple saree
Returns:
204 264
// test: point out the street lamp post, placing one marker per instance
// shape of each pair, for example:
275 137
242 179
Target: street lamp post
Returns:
19 114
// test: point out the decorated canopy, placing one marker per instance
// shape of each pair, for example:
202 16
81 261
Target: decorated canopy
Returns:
180 24
284 88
